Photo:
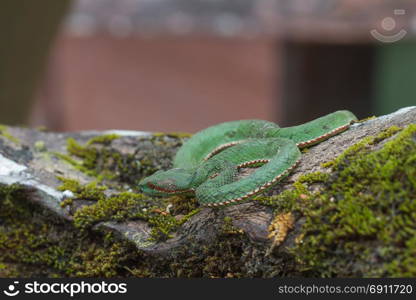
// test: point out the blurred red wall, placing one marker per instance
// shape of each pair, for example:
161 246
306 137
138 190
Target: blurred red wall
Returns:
157 84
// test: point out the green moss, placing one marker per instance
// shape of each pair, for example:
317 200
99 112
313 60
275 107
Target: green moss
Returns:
221 258
183 204
30 245
34 244
40 146
88 155
36 238
22 241
123 206
389 132
96 261
350 152
94 161
291 200
91 191
314 177
104 139
179 135
75 163
117 207
165 225
8 207
228 227
362 223
10 270
98 159
4 132
288 200
186 217
54 252
362 145
366 119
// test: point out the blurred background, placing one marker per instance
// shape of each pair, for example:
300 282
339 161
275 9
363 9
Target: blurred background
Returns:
183 65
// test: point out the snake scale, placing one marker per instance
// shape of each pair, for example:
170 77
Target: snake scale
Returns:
208 163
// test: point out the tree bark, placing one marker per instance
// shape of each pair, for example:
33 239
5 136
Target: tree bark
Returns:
24 161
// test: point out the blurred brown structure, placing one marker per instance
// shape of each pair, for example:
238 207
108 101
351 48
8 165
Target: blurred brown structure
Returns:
182 65
158 84
24 49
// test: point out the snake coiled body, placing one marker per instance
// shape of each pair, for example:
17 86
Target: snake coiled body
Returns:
209 162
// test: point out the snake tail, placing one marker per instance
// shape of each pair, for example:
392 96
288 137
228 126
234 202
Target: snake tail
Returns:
319 129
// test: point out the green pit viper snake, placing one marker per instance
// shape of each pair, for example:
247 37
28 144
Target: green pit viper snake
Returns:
208 163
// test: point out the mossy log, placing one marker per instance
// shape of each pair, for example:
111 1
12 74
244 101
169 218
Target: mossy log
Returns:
69 207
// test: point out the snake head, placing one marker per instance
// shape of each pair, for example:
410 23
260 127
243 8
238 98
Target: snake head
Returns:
163 183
